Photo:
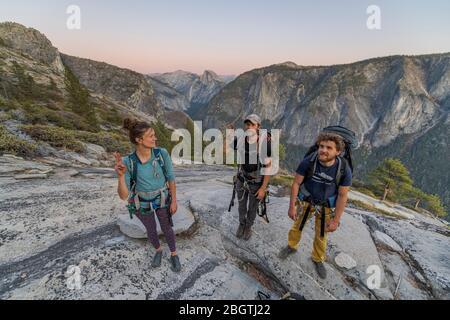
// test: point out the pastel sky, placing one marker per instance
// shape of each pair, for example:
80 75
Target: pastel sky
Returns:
231 36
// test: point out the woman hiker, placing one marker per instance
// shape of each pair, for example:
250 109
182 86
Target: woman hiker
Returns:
147 181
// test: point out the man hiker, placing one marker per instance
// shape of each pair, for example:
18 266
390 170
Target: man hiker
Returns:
254 152
321 186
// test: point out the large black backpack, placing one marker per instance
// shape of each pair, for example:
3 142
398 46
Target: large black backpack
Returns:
345 158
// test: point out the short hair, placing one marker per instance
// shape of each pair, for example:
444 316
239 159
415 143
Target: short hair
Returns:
337 139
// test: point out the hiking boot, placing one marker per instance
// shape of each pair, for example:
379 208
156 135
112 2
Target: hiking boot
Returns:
175 264
285 252
156 263
247 232
240 231
320 268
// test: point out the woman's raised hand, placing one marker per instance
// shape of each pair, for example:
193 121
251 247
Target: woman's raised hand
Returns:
119 167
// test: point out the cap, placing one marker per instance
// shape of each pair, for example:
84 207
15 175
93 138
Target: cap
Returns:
253 118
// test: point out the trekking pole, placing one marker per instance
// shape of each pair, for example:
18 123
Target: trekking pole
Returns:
232 196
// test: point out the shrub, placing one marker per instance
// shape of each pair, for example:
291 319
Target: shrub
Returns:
110 116
71 139
366 191
164 136
110 141
6 105
79 100
11 144
26 87
57 137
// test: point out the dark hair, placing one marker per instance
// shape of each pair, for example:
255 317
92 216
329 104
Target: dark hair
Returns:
136 128
337 139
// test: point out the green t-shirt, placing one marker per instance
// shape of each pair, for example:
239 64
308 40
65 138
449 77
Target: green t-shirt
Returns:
150 175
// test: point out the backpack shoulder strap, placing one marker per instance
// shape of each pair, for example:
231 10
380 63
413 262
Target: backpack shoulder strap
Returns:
133 166
160 159
312 165
342 167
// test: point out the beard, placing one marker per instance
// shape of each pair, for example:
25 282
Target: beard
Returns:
325 158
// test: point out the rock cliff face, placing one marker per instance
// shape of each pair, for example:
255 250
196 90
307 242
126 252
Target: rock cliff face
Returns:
123 85
380 99
198 90
168 97
32 43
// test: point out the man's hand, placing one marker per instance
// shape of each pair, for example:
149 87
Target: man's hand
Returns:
293 213
119 167
261 194
332 226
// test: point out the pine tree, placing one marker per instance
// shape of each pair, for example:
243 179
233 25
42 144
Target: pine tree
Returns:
414 194
434 204
391 178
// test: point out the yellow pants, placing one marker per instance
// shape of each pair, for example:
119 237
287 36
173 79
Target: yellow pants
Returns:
320 244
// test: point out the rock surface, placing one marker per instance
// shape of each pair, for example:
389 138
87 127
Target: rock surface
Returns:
71 220
343 260
383 239
31 176
11 165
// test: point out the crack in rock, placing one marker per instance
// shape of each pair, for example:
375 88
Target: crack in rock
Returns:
58 254
205 268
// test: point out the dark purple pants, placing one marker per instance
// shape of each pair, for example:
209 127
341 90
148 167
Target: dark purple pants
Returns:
150 224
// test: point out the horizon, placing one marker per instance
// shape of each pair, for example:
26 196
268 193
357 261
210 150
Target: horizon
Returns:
192 37
236 75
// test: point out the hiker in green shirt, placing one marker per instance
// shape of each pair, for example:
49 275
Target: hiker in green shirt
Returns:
147 181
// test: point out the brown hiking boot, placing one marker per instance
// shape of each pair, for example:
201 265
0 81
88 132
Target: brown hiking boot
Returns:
247 232
240 231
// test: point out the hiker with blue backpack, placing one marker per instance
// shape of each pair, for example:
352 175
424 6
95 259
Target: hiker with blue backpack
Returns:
320 187
147 181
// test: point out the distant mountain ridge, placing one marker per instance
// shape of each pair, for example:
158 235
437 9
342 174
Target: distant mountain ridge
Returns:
194 91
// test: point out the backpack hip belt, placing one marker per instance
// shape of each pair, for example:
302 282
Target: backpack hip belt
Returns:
134 202
305 196
153 195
